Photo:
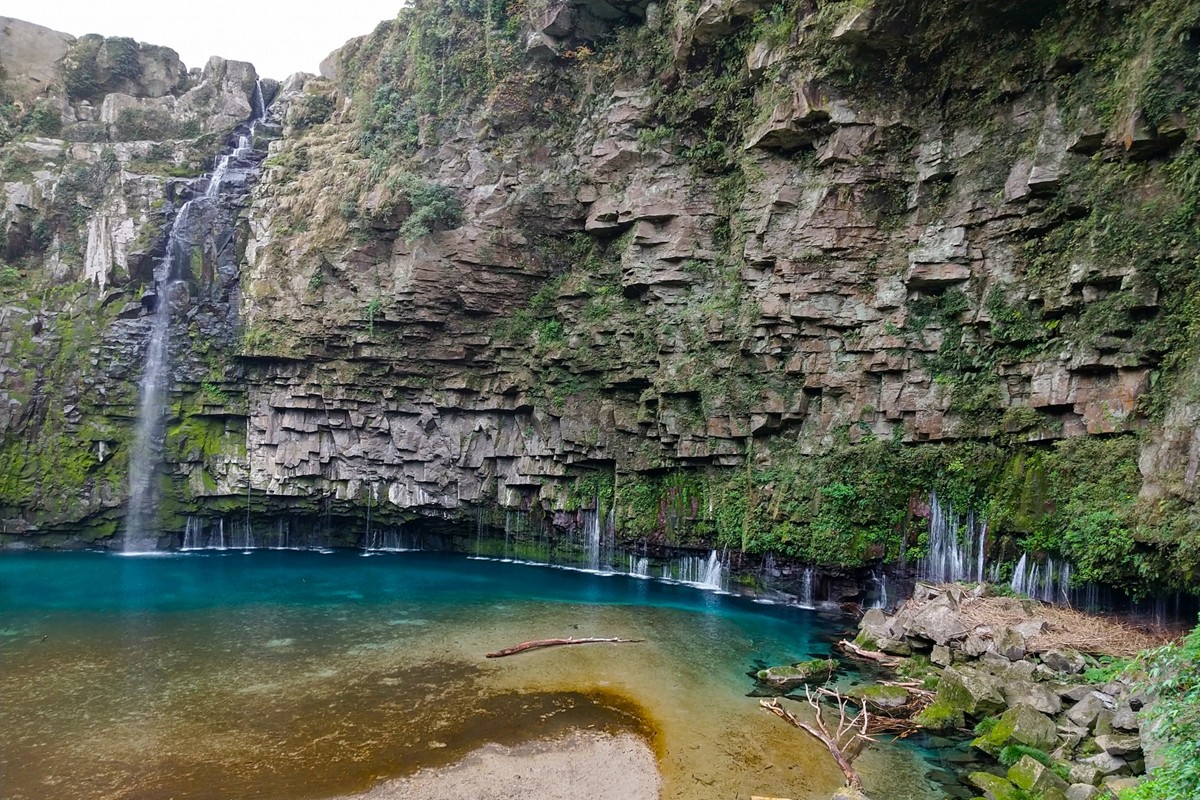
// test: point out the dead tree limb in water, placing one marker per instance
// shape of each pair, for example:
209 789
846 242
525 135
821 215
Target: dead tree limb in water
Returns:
538 643
844 743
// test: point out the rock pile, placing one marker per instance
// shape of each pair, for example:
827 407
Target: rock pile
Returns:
1064 737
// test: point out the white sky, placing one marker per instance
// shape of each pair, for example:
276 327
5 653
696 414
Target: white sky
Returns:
278 36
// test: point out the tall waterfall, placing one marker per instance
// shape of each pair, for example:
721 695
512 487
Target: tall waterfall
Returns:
192 222
956 545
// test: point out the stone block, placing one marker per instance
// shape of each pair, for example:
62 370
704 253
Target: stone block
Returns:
1038 779
1064 660
1119 745
1082 791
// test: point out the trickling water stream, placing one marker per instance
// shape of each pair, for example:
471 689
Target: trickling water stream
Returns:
192 222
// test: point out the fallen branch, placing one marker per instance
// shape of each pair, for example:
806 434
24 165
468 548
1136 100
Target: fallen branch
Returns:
843 745
537 643
871 655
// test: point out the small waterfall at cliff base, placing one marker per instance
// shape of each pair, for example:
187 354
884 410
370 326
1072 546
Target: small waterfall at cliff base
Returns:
957 545
167 299
1045 581
806 589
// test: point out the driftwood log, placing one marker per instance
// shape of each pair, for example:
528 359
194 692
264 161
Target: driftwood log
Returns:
539 643
871 655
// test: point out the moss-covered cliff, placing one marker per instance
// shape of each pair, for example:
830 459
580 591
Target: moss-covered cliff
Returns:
760 275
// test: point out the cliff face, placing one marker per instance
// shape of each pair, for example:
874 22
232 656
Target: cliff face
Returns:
755 274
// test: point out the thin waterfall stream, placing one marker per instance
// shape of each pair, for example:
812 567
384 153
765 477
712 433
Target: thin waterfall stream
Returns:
192 222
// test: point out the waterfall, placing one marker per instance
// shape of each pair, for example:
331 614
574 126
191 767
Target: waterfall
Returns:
639 566
192 222
880 580
708 573
1048 582
956 545
1018 579
591 530
806 588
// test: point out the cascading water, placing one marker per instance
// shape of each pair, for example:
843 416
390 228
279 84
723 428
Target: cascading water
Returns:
806 588
1048 582
956 545
880 580
591 530
170 289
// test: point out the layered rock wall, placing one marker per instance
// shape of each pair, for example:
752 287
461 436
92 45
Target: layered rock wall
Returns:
674 257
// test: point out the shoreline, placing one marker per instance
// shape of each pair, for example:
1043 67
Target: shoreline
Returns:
599 766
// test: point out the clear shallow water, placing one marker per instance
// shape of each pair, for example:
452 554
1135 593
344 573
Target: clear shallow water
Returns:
294 674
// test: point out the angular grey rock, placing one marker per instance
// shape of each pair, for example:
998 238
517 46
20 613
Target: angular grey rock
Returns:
1034 695
1126 719
1118 745
1037 779
1086 710
1084 773
1030 727
940 655
1065 660
1009 643
1106 764
1116 785
938 622
972 689
1082 791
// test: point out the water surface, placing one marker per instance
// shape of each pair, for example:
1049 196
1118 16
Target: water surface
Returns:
307 675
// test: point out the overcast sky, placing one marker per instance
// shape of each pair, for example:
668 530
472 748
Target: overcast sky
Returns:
279 37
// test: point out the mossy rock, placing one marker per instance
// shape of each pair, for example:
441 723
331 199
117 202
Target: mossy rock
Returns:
994 787
1019 725
789 677
866 641
940 716
880 697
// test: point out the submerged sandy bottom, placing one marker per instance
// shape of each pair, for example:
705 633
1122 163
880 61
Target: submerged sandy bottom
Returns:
597 767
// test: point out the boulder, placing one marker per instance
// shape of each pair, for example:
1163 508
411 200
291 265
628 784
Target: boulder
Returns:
1119 745
1088 709
1084 774
974 646
1082 791
940 716
1075 693
940 655
1009 642
1117 785
1105 763
1034 695
874 624
1038 779
994 787
1065 660
973 690
792 676
1126 719
1020 725
880 697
